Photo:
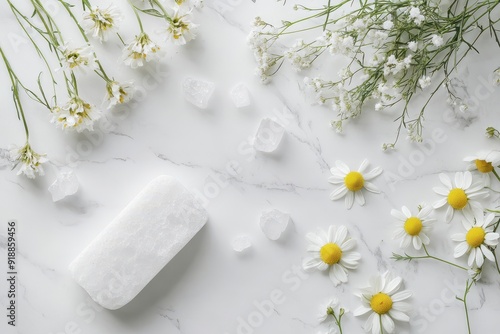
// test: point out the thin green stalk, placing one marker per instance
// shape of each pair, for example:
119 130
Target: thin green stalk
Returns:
464 301
15 94
139 21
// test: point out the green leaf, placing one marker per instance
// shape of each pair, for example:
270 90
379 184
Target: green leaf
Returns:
151 11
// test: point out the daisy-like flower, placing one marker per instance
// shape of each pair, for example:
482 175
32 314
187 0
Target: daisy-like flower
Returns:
384 303
77 58
76 114
31 162
412 229
330 308
462 196
477 240
484 162
333 251
119 93
101 22
141 49
180 29
352 182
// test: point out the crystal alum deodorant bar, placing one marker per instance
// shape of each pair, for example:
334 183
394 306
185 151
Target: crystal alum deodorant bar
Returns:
138 243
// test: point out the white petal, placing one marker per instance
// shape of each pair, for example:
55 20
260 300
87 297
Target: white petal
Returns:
371 188
336 180
388 324
310 264
348 245
449 214
479 257
401 295
361 310
349 199
360 199
400 316
332 232
315 239
338 193
363 166
368 326
406 211
373 173
487 253
376 324
461 249
459 180
445 179
398 215
440 203
342 167
405 242
417 243
339 272
341 235
467 180
472 257
402 306
393 286
441 191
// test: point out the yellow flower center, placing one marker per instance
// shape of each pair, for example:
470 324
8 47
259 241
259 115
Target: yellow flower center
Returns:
475 236
457 198
330 253
413 226
354 181
381 303
484 166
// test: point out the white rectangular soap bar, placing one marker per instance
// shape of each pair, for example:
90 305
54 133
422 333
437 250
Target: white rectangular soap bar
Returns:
138 243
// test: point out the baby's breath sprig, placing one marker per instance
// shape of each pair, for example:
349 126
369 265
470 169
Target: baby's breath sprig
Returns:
396 51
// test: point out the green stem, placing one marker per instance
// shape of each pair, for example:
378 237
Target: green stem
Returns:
164 11
496 261
441 260
496 174
464 301
15 93
139 21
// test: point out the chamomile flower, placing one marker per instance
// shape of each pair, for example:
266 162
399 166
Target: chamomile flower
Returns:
76 114
181 30
461 196
477 240
81 58
412 229
119 93
31 162
333 251
353 182
384 303
330 308
101 22
141 49
484 162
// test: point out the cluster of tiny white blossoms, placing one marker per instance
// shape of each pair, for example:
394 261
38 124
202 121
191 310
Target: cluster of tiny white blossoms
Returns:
394 51
76 57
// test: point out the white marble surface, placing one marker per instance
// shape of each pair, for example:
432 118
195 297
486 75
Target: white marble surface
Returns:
208 287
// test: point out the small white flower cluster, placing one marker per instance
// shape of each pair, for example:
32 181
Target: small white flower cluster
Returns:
76 114
31 162
260 43
300 55
101 22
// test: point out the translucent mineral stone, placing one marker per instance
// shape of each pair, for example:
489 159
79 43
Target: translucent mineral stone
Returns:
268 135
273 223
198 92
241 243
65 185
240 96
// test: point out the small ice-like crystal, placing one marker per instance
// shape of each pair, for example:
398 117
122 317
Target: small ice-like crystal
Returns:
66 184
240 96
198 92
268 135
273 223
240 243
